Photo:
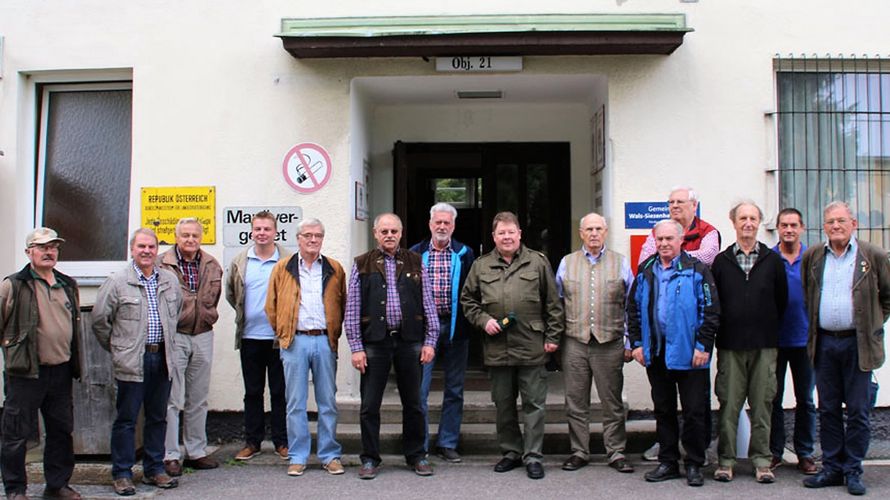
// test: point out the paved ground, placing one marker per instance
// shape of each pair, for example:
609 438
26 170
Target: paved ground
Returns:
265 477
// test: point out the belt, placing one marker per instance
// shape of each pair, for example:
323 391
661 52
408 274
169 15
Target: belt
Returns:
154 347
312 333
393 333
840 334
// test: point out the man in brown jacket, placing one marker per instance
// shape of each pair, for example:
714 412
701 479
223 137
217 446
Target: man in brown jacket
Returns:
847 292
305 303
200 278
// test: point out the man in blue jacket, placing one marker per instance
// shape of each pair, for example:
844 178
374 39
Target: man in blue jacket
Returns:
447 262
673 314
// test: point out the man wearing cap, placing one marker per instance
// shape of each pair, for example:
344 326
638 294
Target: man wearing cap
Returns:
200 277
40 324
135 317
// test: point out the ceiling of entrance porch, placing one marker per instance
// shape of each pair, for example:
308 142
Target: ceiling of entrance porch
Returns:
443 89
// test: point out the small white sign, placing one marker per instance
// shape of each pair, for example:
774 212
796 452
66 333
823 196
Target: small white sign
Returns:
478 64
237 223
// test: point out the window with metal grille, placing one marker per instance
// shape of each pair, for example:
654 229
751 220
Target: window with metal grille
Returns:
834 141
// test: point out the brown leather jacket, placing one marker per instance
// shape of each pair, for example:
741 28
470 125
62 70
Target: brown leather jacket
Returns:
199 313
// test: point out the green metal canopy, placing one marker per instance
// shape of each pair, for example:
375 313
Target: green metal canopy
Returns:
490 35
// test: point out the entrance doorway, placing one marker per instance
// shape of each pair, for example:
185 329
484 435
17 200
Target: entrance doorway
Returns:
530 179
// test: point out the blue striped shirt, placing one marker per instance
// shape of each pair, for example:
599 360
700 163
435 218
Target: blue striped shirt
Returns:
311 315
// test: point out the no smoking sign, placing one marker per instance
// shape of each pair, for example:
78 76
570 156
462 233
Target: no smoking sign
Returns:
307 167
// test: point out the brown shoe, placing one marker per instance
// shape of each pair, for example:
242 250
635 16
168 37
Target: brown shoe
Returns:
775 463
334 467
723 474
124 487
173 467
807 466
249 451
764 475
161 480
296 469
203 463
282 452
64 492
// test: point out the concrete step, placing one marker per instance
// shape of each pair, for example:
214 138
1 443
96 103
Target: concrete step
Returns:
481 438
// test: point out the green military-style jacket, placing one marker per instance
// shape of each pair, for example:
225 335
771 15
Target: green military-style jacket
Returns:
526 288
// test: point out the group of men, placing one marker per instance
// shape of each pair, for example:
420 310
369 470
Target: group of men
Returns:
404 309
820 310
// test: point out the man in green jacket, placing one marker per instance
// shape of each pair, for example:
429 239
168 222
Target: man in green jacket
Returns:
510 294
40 323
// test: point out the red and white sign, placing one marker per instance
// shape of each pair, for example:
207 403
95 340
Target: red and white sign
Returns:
307 167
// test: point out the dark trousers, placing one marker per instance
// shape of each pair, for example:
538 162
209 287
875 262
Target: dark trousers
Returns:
694 388
259 357
451 355
839 380
804 380
405 356
151 395
51 393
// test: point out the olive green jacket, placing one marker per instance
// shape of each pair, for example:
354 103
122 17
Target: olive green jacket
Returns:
526 288
871 299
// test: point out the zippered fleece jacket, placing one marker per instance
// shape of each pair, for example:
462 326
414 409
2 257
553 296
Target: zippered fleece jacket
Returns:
694 312
752 304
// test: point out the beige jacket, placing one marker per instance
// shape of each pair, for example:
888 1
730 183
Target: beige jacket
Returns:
235 287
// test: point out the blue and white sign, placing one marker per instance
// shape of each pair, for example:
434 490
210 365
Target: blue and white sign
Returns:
645 214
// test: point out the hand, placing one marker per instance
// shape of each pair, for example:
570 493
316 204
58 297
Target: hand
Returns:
548 347
628 356
427 353
638 355
699 358
360 361
492 327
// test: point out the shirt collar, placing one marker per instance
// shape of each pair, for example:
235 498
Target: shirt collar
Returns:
251 254
36 276
302 261
446 249
180 258
852 246
598 254
142 277
737 249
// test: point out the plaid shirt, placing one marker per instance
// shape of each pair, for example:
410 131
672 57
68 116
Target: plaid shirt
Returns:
746 262
155 328
439 271
189 269
352 320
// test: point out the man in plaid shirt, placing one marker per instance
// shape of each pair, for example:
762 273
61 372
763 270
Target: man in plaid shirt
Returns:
200 277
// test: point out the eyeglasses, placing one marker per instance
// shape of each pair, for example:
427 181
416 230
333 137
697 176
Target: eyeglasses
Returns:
311 236
842 221
46 246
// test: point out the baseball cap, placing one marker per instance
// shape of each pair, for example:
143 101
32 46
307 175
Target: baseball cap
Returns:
41 236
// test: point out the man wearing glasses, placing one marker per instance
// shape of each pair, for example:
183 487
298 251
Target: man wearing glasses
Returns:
700 239
304 304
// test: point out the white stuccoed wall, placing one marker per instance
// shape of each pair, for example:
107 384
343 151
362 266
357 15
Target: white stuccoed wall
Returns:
217 101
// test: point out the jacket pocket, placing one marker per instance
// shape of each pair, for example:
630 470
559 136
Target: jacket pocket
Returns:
129 308
488 288
530 290
17 356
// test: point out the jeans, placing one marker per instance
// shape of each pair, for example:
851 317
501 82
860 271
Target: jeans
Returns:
190 385
452 357
310 353
694 388
151 395
51 393
839 381
406 358
257 358
805 410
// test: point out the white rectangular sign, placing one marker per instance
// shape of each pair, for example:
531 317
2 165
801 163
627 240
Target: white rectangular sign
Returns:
478 64
236 225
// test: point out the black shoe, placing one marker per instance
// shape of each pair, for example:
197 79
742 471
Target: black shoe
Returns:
694 476
823 479
507 464
854 485
663 472
621 465
574 463
534 470
448 455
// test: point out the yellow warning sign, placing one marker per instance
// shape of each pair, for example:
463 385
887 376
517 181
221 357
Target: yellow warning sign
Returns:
162 207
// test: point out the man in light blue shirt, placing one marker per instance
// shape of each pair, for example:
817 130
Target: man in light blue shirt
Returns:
246 286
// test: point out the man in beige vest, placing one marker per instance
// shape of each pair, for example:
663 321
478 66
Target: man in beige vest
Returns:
593 283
